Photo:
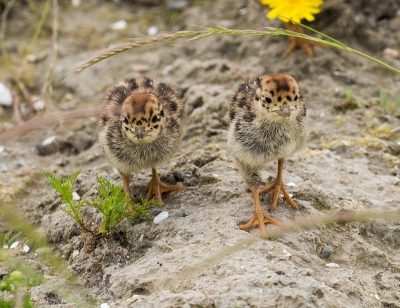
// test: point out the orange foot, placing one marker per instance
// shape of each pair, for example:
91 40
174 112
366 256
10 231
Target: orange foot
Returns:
279 188
156 187
297 42
260 218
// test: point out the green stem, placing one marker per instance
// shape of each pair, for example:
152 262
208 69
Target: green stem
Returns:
38 29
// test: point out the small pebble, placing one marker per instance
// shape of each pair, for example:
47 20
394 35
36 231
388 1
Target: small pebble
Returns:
185 213
286 253
26 248
152 31
332 265
291 184
48 140
39 105
104 305
75 196
3 168
243 11
76 3
160 217
119 25
141 238
75 253
1 149
5 95
326 251
14 245
391 52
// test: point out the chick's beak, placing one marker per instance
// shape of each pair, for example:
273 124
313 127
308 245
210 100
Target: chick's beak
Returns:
284 112
140 132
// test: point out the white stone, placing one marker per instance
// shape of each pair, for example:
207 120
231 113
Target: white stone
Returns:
75 253
39 105
291 184
104 305
76 3
26 248
1 149
14 245
119 25
5 95
286 253
152 31
48 140
332 265
160 217
75 196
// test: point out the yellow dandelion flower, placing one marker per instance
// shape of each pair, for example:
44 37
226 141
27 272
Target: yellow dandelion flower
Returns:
293 9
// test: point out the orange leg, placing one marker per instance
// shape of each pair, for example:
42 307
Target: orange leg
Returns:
260 218
279 188
125 182
297 42
156 187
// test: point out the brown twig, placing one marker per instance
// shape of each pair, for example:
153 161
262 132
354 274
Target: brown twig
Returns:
41 121
47 86
25 92
17 111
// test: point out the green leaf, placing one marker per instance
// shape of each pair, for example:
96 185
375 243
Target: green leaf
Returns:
12 240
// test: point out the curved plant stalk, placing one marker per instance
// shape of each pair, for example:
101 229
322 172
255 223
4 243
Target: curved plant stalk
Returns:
201 34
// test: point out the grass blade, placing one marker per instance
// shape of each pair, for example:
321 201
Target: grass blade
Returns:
13 239
196 35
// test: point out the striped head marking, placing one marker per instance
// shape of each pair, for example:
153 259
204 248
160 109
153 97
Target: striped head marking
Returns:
278 97
142 117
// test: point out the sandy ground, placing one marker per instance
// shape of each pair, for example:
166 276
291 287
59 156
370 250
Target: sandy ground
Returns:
198 257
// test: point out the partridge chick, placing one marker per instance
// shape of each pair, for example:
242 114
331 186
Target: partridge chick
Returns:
267 122
140 127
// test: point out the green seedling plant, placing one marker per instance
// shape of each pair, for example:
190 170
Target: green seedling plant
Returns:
66 187
389 108
110 202
348 103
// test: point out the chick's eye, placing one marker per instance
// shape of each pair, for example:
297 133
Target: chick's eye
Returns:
268 100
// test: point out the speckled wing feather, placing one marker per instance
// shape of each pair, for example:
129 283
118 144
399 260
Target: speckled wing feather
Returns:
241 101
